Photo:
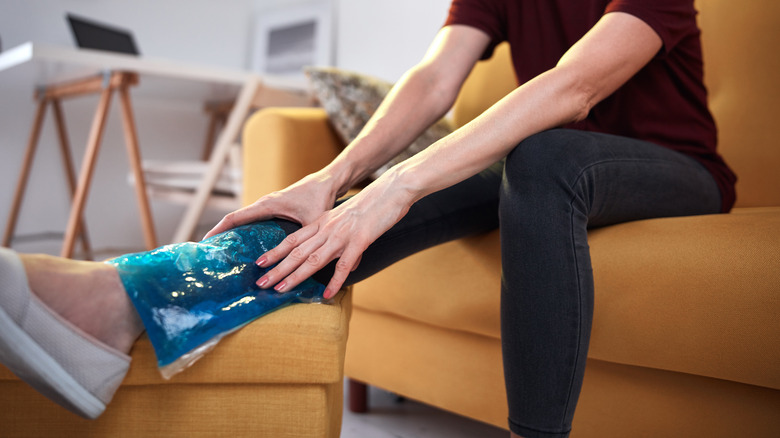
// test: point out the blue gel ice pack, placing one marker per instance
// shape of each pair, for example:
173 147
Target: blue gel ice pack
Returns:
189 295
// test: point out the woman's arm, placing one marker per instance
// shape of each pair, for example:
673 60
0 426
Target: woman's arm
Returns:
617 47
422 96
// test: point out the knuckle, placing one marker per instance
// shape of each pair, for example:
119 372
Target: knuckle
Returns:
229 219
296 254
313 259
342 266
271 258
291 240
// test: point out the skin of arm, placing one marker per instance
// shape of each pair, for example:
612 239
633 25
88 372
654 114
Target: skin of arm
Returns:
422 96
615 49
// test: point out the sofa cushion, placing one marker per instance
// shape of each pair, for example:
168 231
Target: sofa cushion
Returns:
696 294
456 286
350 99
691 294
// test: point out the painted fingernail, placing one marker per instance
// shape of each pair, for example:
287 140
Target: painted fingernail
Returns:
262 281
261 262
280 287
327 294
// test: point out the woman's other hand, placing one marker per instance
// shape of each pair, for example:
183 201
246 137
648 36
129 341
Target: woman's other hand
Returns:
342 233
302 202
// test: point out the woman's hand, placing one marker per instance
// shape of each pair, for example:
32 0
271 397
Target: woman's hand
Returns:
302 202
342 233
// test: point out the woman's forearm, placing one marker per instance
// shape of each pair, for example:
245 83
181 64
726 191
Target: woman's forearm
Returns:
548 101
416 102
421 97
611 53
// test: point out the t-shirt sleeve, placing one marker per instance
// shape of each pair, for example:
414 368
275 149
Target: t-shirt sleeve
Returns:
480 14
672 20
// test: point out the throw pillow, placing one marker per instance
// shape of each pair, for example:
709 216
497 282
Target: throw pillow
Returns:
350 99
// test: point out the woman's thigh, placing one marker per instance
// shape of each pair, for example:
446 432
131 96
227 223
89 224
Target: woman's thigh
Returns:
608 178
556 185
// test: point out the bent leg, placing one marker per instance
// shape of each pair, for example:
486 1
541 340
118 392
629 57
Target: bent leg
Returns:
192 293
556 185
188 294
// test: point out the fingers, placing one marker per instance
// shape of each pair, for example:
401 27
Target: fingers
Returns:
237 218
346 264
304 253
299 256
225 224
286 246
342 233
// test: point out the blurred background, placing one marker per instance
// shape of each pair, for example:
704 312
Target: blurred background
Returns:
382 39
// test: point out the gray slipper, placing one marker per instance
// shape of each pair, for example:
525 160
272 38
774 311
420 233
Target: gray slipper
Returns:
53 356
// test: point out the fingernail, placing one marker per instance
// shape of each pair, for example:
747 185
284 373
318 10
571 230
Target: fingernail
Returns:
262 281
280 287
261 262
327 294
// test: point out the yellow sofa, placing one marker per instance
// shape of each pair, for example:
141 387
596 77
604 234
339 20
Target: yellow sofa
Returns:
279 377
685 340
685 337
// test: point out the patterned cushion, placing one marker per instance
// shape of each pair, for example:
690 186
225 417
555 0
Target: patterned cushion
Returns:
351 98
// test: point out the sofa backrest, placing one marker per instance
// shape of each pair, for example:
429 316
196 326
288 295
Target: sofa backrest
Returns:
488 82
741 41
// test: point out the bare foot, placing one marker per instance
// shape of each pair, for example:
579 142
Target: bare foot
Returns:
88 294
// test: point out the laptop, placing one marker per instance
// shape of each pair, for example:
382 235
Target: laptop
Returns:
90 34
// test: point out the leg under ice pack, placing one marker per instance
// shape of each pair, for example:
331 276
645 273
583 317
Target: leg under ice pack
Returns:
190 295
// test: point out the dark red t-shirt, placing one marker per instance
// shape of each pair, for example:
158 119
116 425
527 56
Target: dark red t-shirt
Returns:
664 103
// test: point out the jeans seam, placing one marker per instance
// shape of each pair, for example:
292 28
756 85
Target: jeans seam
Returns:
576 259
572 186
572 378
573 240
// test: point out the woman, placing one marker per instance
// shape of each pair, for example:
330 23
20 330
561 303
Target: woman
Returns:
624 80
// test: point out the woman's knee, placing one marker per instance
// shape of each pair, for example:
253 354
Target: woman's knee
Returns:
545 154
543 163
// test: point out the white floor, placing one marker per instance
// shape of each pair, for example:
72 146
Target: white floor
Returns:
389 417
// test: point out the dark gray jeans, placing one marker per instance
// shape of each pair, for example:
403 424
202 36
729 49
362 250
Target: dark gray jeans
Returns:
551 188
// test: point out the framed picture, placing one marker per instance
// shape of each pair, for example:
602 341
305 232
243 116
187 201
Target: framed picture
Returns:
288 39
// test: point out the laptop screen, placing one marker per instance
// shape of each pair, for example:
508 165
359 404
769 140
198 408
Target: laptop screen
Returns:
93 35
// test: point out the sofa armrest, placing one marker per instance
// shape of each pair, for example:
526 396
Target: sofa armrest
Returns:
282 145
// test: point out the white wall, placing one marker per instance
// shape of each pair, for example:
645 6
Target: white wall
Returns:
385 38
379 38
